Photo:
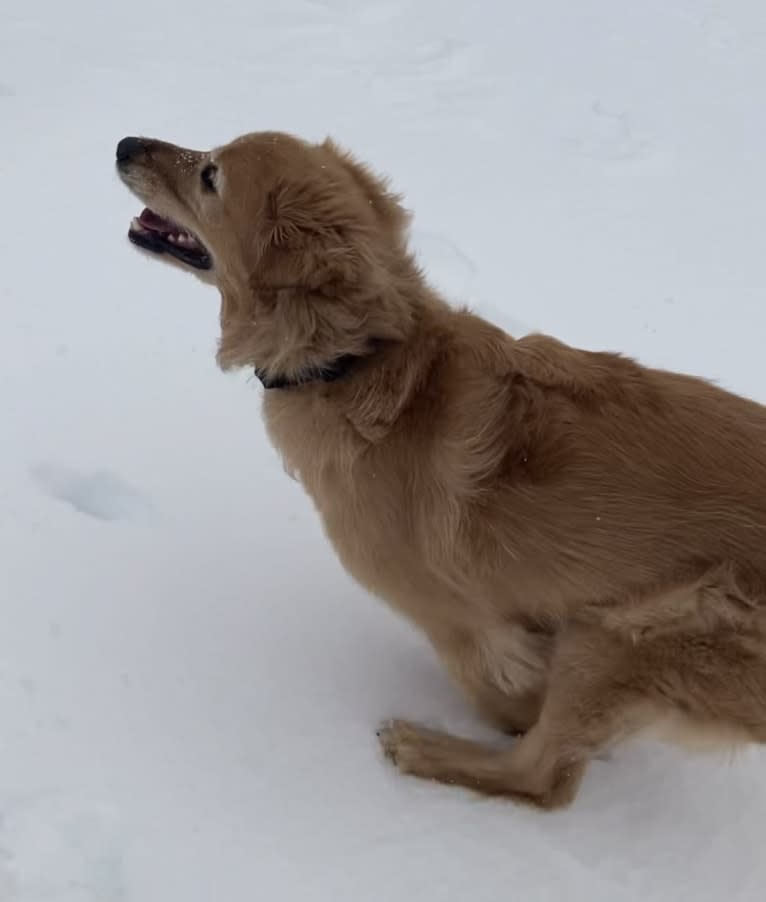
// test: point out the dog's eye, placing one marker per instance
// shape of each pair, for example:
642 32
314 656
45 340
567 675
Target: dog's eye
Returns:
208 175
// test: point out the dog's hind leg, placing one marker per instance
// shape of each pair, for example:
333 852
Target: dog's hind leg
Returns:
586 709
707 683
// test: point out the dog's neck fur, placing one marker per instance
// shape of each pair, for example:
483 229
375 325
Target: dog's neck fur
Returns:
295 354
331 371
378 386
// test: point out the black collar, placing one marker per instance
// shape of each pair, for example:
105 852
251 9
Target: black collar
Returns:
326 372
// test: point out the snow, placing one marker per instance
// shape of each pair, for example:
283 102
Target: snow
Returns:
189 683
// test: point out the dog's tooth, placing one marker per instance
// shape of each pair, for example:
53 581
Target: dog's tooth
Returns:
172 237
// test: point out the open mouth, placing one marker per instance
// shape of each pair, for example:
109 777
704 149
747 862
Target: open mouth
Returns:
163 236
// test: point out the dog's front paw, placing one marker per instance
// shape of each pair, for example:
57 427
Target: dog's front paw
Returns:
394 737
412 748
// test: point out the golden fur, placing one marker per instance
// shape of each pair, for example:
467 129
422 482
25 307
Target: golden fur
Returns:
582 539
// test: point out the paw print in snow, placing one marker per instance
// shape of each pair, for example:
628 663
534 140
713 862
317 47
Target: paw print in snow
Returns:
98 494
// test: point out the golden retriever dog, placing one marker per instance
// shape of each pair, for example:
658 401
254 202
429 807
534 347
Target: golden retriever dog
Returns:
581 538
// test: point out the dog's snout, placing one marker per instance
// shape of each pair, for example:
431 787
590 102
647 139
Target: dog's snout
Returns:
130 148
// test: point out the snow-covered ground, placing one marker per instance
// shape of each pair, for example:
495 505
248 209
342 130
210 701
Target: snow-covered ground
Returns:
189 684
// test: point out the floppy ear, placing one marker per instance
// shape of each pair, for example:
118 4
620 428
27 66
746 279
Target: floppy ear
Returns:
307 239
311 288
319 287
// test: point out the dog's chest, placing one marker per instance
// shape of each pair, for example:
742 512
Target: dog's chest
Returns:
359 491
364 512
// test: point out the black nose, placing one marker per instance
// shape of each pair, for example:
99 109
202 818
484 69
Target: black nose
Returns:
129 149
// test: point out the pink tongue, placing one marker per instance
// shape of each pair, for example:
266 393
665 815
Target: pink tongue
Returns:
153 222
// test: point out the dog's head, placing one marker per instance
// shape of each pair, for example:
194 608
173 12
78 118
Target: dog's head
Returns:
307 247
